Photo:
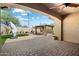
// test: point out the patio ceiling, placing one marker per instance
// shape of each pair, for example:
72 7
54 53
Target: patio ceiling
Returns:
45 7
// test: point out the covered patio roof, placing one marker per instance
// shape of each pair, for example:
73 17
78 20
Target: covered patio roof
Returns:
45 8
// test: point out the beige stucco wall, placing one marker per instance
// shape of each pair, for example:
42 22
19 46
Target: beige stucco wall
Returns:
71 28
57 28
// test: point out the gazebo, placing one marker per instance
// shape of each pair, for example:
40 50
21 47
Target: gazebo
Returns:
44 29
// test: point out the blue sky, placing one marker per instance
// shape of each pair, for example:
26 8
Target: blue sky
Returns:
33 17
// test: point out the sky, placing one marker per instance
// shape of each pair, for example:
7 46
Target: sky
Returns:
33 17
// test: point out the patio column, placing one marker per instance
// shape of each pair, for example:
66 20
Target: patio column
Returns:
62 33
45 32
35 30
52 30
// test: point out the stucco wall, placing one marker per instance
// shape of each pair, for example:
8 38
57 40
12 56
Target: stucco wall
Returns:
57 28
71 28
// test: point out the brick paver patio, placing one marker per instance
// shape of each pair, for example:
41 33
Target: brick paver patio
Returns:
39 46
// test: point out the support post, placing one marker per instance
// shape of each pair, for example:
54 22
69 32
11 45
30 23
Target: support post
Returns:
62 38
62 25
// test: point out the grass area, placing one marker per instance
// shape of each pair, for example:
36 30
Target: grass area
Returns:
3 38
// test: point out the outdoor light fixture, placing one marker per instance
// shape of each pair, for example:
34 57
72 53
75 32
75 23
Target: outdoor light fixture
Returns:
4 7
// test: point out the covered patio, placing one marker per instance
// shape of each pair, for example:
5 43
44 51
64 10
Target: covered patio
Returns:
66 28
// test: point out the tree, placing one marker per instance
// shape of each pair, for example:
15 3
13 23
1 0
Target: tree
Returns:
6 16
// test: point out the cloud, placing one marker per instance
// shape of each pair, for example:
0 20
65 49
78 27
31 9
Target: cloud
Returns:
24 14
23 21
32 17
37 17
21 18
18 17
18 10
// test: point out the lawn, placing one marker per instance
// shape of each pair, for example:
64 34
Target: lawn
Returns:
3 38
